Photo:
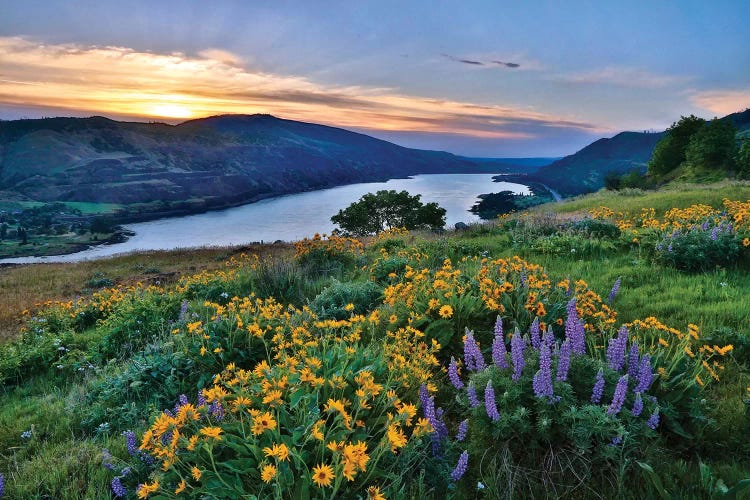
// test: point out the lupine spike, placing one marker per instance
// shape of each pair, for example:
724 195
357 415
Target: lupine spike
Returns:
563 361
598 391
637 405
619 396
536 339
574 330
633 361
117 488
542 382
489 402
453 375
461 466
471 392
653 420
517 346
645 376
615 289
616 349
499 352
463 428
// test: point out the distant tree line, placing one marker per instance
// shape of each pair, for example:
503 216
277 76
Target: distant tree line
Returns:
692 149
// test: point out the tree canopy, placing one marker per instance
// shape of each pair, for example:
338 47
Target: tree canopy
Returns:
388 209
670 151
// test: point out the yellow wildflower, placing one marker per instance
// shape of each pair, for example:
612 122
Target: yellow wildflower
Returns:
322 475
212 432
273 398
196 473
446 311
263 422
268 473
279 451
180 487
146 489
373 493
349 307
396 437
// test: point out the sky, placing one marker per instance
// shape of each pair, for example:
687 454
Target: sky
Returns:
477 78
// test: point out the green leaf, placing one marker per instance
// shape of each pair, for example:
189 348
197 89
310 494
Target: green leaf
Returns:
655 480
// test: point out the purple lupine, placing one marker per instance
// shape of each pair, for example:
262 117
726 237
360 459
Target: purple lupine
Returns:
615 289
499 352
637 405
431 414
653 420
598 391
517 346
548 337
633 360
563 361
131 442
522 278
107 460
473 358
574 330
463 428
2 485
182 400
542 382
616 441
201 399
472 395
118 489
616 349
569 291
715 233
217 410
453 375
645 376
536 338
489 402
705 226
461 466
183 311
619 397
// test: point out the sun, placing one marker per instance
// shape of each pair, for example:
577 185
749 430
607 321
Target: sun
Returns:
170 111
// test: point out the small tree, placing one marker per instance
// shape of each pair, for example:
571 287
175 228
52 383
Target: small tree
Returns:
670 151
383 210
712 147
742 160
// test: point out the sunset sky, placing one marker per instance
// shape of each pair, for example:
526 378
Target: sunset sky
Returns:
481 78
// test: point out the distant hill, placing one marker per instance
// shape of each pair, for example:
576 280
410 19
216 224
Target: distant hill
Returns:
584 171
516 165
200 164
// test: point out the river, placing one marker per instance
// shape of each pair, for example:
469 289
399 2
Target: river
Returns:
290 217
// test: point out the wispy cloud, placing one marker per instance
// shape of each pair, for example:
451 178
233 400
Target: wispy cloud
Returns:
475 62
622 76
721 102
123 81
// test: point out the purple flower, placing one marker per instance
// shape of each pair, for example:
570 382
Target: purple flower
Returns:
118 489
569 291
183 311
432 415
615 289
637 405
182 400
217 410
619 397
704 226
499 351
2 485
616 441
563 361
461 466
653 420
517 346
548 337
596 393
616 349
542 382
574 330
131 442
453 375
201 398
536 338
715 233
463 428
633 360
472 394
645 376
107 460
489 402
473 359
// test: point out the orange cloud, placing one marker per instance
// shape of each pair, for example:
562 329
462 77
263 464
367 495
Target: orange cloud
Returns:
123 81
722 102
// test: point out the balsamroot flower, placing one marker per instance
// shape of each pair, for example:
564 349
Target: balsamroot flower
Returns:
542 382
489 402
596 393
453 375
499 351
619 397
461 466
517 346
563 361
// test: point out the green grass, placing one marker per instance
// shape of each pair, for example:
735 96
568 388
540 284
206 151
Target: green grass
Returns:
88 208
676 195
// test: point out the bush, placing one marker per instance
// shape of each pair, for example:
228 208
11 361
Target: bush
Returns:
597 228
699 247
341 300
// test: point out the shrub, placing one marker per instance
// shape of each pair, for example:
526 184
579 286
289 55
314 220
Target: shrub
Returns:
341 300
699 247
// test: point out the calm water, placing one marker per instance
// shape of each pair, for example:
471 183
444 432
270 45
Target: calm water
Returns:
291 217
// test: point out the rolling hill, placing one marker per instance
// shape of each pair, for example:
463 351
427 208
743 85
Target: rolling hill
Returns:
199 164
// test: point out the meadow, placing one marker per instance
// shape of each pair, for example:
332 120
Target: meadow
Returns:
592 348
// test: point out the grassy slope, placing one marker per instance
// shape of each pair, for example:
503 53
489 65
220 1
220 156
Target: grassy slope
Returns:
61 460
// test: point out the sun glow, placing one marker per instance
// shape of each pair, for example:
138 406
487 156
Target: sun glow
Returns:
170 111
